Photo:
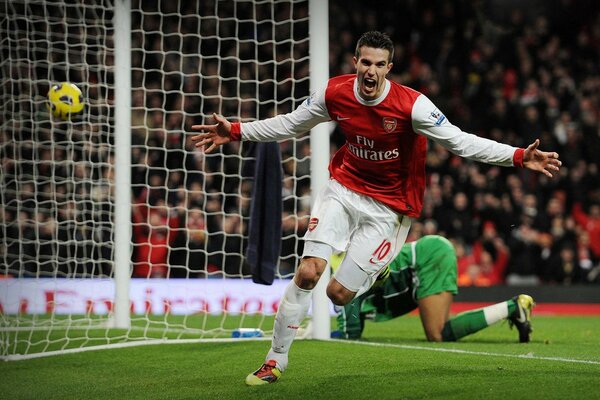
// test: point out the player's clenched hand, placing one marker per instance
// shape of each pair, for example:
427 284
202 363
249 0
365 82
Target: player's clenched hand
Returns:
541 161
212 136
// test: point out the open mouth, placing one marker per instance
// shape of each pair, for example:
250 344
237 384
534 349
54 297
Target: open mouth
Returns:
370 84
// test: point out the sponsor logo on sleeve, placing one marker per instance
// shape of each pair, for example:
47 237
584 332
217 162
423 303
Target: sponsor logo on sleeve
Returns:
437 117
309 100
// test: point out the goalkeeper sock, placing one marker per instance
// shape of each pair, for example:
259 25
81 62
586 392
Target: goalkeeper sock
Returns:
292 310
350 321
473 321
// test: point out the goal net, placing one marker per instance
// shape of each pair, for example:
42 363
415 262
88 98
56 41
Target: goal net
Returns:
190 211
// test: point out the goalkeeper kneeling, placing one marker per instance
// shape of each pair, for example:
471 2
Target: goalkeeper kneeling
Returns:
424 275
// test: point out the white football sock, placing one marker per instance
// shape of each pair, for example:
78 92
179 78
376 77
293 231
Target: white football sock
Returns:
496 312
292 310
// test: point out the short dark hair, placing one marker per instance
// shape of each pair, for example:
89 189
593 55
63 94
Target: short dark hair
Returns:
376 40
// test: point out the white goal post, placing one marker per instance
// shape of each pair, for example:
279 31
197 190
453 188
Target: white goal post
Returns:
114 230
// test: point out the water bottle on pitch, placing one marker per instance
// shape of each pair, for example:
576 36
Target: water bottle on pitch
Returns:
247 333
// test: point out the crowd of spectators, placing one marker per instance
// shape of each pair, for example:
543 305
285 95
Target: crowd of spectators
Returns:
512 73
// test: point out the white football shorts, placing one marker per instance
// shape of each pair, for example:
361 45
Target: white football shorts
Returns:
370 232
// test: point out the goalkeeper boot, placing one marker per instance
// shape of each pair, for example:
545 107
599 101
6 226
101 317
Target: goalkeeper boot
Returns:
521 317
267 373
382 277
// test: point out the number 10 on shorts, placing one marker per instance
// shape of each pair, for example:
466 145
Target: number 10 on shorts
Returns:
381 252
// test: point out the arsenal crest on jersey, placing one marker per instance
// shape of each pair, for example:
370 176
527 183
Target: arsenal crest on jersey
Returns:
389 124
312 224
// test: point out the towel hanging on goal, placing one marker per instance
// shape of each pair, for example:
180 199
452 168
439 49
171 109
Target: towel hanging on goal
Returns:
264 242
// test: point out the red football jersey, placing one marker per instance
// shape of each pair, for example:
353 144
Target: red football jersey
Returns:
383 156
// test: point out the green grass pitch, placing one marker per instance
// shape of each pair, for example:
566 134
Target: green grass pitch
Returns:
561 362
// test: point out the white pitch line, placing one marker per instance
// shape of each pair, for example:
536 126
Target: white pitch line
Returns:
122 345
528 356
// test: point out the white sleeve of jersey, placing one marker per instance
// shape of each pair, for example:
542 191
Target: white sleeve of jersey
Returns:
310 113
427 120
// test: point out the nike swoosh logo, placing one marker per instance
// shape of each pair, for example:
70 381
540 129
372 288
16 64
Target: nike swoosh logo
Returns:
521 317
342 118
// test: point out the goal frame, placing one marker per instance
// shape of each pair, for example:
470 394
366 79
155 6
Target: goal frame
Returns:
319 142
115 309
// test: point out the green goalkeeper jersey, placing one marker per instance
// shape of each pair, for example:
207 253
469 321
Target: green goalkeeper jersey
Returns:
421 269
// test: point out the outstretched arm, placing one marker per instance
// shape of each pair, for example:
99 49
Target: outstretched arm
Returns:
212 136
430 122
284 126
541 161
